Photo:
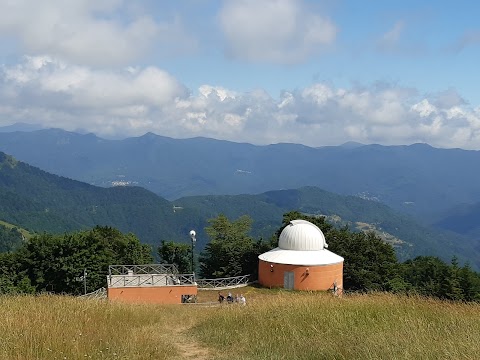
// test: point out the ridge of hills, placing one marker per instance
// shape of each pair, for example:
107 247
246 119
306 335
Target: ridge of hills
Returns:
416 179
40 201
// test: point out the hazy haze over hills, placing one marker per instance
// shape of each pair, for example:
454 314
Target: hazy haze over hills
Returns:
34 199
416 179
463 219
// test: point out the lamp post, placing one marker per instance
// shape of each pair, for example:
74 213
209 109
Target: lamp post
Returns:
85 281
192 236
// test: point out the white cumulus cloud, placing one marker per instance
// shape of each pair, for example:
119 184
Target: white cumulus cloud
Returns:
85 31
56 93
280 31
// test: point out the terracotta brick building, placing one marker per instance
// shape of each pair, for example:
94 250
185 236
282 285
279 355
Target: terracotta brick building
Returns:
301 261
153 283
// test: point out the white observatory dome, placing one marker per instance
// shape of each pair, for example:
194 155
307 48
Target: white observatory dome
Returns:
302 235
301 243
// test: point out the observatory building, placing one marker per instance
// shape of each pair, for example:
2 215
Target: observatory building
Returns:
152 283
301 261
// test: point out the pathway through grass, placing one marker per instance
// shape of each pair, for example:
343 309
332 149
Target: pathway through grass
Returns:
188 347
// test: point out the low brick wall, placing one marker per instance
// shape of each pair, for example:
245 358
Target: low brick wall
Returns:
151 294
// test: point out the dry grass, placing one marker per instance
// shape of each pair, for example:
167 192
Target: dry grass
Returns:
318 326
274 325
56 327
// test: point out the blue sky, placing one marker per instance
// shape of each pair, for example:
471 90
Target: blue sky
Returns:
259 71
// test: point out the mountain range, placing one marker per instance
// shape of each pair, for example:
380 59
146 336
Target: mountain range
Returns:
39 201
418 179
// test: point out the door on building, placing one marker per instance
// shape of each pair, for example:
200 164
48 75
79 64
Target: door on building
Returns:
288 280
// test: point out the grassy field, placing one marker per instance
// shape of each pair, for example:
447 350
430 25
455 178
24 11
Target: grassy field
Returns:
275 324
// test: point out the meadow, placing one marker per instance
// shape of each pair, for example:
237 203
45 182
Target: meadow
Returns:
275 324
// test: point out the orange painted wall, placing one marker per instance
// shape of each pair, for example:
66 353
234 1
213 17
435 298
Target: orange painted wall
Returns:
320 277
151 294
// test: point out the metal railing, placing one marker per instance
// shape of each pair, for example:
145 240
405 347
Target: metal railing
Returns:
97 294
223 283
142 269
143 280
166 275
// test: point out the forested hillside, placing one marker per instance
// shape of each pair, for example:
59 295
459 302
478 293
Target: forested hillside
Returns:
39 201
416 179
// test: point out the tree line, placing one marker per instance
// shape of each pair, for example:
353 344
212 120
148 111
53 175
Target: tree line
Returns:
370 263
55 263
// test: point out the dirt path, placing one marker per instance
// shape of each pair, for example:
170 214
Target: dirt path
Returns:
188 347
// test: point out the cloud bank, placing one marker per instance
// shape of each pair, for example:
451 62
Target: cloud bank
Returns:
132 101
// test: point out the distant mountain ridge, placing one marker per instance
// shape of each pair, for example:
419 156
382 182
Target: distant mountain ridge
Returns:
416 179
39 201
20 127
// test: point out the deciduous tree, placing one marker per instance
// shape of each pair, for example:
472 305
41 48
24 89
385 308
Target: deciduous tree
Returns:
55 262
179 254
231 251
